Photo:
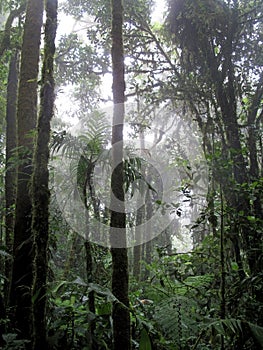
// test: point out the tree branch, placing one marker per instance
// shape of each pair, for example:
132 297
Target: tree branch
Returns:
5 43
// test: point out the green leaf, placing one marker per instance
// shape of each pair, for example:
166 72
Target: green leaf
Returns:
102 291
251 218
145 341
31 80
59 286
257 332
104 309
234 266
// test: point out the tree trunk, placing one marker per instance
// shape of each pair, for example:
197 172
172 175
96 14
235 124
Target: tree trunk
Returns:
137 250
10 175
22 275
40 188
92 308
140 217
120 277
148 245
89 273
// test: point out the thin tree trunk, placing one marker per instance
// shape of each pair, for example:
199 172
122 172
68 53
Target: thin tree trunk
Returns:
89 272
40 188
240 201
2 325
137 250
140 216
73 254
148 244
22 274
120 276
10 176
223 272
254 172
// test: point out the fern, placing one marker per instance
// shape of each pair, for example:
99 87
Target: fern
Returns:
232 328
177 318
92 136
257 332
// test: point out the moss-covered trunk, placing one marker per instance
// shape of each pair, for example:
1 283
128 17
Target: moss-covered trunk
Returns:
22 275
120 277
40 186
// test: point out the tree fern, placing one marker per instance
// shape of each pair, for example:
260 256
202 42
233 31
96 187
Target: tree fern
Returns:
177 318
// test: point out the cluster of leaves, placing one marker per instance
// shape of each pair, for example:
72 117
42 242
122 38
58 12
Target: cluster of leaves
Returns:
70 320
179 304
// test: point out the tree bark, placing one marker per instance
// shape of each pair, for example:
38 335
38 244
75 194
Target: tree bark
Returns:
148 245
120 277
137 250
10 176
40 182
140 217
22 275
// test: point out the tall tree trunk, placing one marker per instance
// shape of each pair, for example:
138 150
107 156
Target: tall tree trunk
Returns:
227 101
148 245
92 308
40 188
120 276
222 267
89 271
22 275
254 173
10 175
137 250
140 217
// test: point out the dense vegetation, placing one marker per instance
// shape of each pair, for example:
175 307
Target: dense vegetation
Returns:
137 226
